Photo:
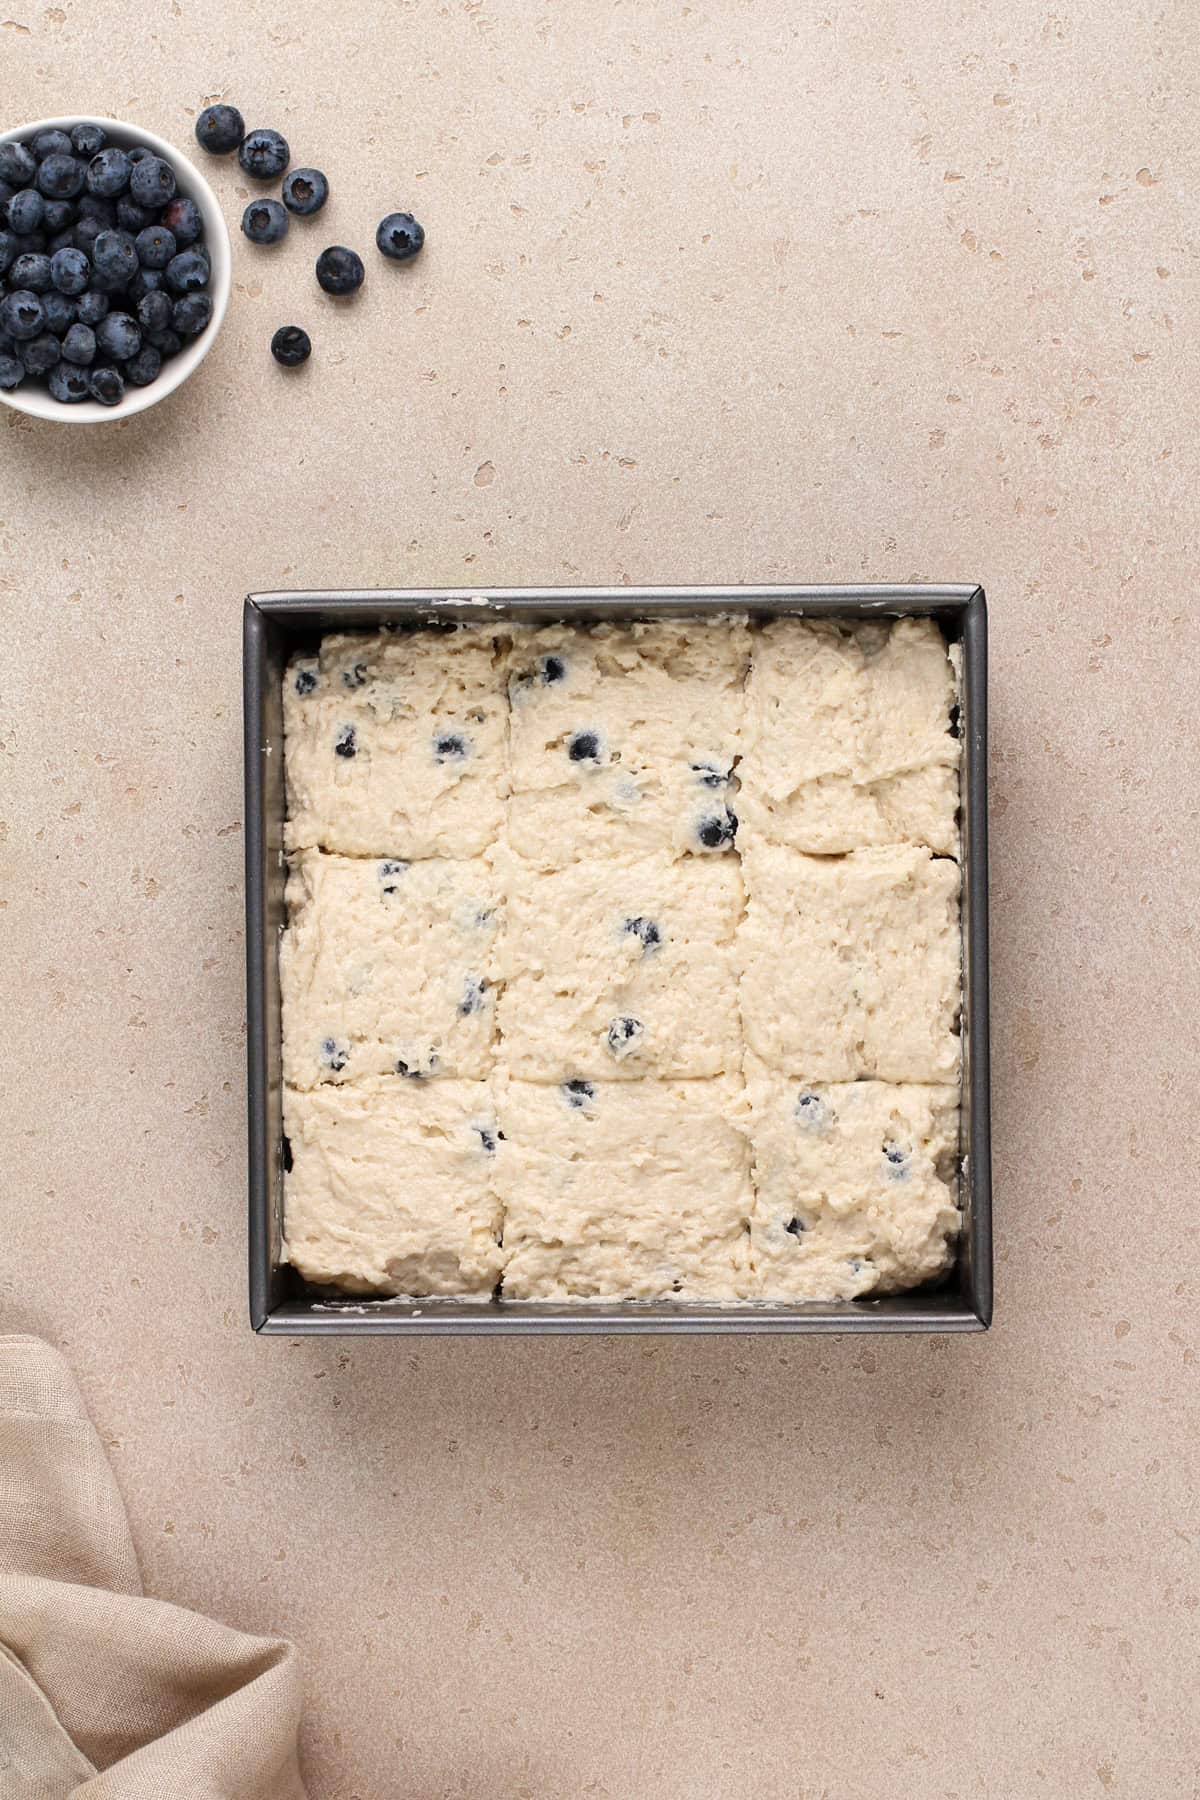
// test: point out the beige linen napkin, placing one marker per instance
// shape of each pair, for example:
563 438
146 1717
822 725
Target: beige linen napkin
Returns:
104 1694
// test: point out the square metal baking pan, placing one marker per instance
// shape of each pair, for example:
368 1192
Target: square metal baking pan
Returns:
277 624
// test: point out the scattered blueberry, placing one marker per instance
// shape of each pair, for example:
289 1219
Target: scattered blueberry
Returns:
60 311
61 177
340 271
487 1137
305 191
79 345
155 246
355 676
390 870
220 129
717 832
154 311
306 681
51 143
647 931
106 386
32 271
265 222
896 1161
188 272
26 211
553 669
68 384
954 728
17 166
21 314
191 314
472 1001
399 236
92 307
710 775
70 271
291 346
131 217
796 1226
334 1055
88 140
184 220
145 367
577 1093
811 1110
449 746
118 336
623 1034
584 746
264 154
40 354
413 1070
115 256
345 744
12 373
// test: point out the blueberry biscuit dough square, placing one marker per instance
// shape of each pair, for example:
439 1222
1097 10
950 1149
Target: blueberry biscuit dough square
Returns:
851 964
395 744
854 1184
386 967
620 969
625 738
391 1189
614 1190
850 737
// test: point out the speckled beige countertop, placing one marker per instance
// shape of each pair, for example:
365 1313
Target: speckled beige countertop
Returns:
717 291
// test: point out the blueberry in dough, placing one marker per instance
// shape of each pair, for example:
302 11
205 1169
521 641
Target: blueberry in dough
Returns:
895 1162
334 1055
449 746
709 775
355 677
414 1072
306 681
346 744
577 1093
472 1001
388 871
796 1226
622 1034
488 1136
810 1110
647 931
584 746
553 669
718 830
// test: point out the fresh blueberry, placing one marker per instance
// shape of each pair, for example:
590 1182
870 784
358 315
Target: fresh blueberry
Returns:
811 1110
399 236
60 311
61 177
577 1093
22 315
106 386
108 173
31 271
265 222
40 354
709 775
334 1054
146 281
796 1225
355 676
12 373
306 683
264 154
140 152
115 256
79 345
191 314
305 191
70 271
154 311
622 1034
51 143
717 831
85 232
92 307
584 746
8 251
134 218
346 743
88 140
26 211
184 220
449 746
291 346
340 271
220 129
169 342
473 1001
95 206
17 166
60 240
152 182
143 368
155 247
390 870
57 215
647 931
188 272
118 337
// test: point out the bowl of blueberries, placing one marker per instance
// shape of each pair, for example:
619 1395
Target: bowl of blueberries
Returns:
115 269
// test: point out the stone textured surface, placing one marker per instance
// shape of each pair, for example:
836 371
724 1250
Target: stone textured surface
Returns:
713 292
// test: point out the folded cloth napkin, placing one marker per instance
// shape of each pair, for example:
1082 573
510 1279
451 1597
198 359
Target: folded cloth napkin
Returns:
105 1694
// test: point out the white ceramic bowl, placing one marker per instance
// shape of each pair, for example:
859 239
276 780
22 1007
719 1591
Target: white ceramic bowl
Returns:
34 399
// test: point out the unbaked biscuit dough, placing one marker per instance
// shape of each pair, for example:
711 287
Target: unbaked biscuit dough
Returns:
854 1184
620 969
851 964
623 1189
848 738
624 738
390 1189
387 967
395 744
